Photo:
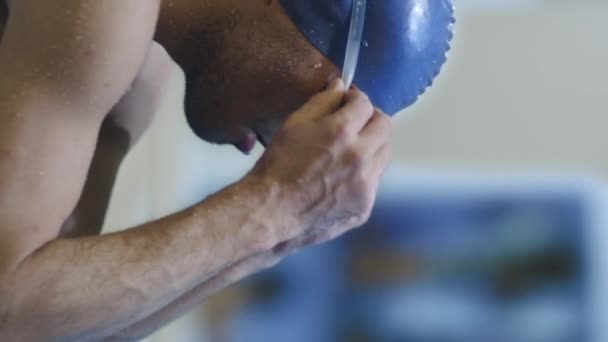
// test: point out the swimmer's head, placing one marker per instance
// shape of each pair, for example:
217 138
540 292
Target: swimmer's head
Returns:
248 64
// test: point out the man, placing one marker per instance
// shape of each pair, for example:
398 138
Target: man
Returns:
66 64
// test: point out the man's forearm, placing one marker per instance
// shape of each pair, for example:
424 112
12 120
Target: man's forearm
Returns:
218 282
196 296
87 287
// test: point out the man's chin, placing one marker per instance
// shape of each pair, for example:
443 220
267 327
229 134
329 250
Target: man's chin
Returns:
242 137
198 128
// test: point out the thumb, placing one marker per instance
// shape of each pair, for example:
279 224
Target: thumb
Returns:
320 105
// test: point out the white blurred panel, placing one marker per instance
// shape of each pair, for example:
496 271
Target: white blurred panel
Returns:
522 89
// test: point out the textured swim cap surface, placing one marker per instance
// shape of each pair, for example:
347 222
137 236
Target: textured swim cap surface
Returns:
405 43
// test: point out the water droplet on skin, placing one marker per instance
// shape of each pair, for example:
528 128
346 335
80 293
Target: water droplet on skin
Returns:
318 66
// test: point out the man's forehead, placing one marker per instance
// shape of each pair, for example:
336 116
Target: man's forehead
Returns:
404 43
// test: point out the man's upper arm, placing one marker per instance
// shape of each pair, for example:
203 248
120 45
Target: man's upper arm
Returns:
55 91
64 65
45 153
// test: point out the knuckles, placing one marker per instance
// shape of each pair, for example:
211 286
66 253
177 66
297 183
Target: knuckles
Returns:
356 159
363 102
385 122
340 131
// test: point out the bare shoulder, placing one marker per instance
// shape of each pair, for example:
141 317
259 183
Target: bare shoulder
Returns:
91 50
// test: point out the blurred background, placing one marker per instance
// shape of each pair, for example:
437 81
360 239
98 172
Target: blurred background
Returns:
489 226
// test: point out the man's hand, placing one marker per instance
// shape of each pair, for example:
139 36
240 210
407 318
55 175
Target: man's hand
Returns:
328 159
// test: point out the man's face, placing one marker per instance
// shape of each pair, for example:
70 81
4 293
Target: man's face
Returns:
247 68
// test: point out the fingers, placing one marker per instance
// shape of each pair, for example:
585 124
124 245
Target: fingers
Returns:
320 105
355 113
377 132
351 111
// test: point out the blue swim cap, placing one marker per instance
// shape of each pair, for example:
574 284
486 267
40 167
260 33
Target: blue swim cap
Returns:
404 43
